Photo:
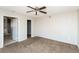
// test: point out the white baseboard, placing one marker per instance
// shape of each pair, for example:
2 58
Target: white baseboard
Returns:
57 40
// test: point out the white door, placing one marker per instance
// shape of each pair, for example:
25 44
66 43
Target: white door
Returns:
14 28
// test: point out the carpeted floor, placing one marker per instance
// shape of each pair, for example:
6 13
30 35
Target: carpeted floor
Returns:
39 45
8 40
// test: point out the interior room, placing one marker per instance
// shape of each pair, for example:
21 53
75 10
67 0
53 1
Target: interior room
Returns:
39 29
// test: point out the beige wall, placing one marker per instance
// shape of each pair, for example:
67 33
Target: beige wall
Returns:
61 27
78 28
22 25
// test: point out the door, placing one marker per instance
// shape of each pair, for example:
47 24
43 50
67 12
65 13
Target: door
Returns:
1 32
28 28
14 28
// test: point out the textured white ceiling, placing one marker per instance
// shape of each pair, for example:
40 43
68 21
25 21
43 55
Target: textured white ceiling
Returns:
50 10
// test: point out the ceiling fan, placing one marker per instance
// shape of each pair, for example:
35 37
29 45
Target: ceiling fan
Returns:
37 9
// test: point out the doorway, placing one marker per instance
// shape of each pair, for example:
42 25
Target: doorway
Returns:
28 28
8 30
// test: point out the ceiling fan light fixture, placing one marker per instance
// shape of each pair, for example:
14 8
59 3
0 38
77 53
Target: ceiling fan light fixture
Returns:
36 9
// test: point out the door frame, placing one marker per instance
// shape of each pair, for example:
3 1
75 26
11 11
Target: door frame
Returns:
11 30
27 27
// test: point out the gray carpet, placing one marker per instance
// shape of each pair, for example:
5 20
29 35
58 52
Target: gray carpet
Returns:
39 45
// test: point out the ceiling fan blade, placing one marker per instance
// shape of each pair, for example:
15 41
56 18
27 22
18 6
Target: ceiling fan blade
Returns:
29 11
42 8
36 12
43 12
31 7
